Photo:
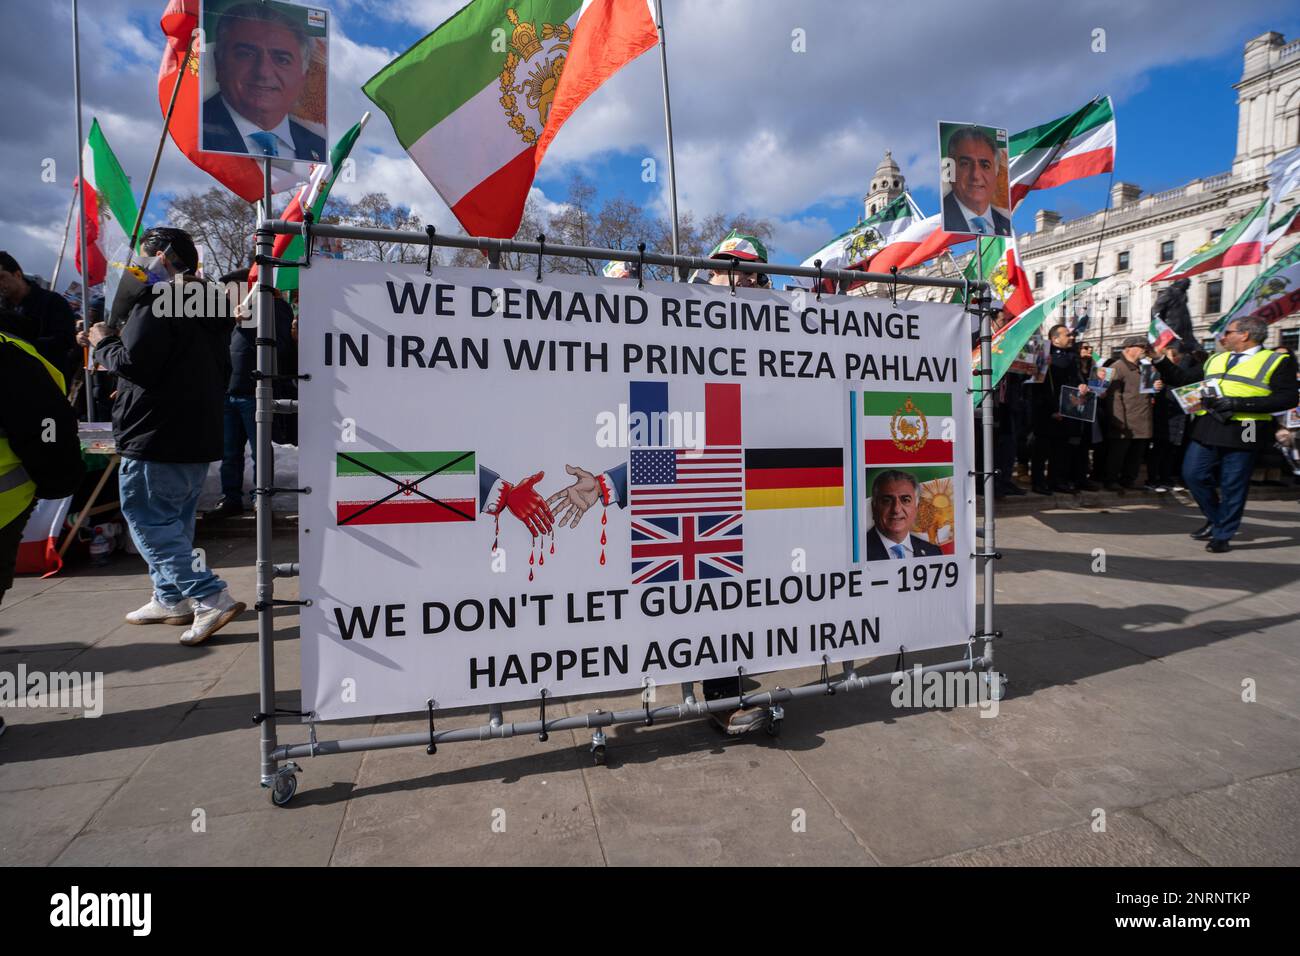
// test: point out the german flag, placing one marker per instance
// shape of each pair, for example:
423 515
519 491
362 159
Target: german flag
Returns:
794 478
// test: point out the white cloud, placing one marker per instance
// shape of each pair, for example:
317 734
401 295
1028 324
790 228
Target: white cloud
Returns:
759 128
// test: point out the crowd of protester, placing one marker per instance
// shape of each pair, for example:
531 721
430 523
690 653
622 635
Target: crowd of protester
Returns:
180 394
1138 437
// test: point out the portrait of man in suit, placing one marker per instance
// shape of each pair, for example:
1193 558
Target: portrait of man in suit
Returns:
895 499
260 56
974 179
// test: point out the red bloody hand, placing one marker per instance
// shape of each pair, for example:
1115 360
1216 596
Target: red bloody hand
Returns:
527 505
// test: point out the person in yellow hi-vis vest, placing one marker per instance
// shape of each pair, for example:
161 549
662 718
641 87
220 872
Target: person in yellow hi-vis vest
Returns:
40 454
1244 386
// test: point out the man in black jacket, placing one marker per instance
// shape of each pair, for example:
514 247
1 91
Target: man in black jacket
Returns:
38 316
172 367
240 405
1057 439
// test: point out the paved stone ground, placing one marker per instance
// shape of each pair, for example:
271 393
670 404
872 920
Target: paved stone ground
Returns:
1125 696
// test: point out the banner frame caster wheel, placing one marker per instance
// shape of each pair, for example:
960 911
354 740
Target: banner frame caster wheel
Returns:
285 786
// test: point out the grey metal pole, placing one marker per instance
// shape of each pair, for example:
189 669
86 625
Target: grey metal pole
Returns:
81 214
264 477
668 120
162 140
67 226
986 441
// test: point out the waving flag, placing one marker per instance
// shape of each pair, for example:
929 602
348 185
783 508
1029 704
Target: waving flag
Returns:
1284 175
1284 225
477 114
1274 295
918 243
1011 339
1242 245
311 195
1002 269
110 207
1072 147
1159 334
855 246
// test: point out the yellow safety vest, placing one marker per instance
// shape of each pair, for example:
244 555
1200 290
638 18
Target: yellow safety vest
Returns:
1249 378
16 489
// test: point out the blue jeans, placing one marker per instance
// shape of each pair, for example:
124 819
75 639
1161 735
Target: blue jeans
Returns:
158 501
241 430
1219 480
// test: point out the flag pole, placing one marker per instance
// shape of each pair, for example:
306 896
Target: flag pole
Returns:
81 214
162 140
67 226
668 122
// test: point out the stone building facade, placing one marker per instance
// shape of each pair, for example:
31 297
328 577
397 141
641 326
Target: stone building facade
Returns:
1138 235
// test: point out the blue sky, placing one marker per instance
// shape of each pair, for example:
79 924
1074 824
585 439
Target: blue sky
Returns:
762 129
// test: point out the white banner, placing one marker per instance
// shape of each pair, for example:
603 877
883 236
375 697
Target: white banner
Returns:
708 459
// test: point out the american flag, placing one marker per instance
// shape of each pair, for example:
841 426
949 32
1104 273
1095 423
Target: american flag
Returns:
686 548
681 481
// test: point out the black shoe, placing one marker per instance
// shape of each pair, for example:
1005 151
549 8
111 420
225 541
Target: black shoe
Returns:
227 507
1114 486
1205 532
1217 545
1090 486
1043 490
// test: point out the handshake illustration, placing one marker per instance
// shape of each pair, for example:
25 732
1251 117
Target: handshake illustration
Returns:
566 506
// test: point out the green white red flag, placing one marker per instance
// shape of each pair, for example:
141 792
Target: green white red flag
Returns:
311 196
855 246
477 102
1274 295
1242 245
918 243
1159 334
1284 225
1010 340
1069 148
1002 270
110 209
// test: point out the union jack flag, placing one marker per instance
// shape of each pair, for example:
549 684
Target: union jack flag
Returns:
686 548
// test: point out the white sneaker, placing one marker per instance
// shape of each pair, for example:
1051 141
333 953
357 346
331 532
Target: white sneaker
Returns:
159 612
211 614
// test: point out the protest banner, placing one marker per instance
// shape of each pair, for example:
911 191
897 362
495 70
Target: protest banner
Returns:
708 458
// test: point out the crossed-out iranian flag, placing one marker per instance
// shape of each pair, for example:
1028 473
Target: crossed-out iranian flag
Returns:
477 102
110 209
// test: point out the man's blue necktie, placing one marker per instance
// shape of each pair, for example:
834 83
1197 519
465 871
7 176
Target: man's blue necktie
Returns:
897 550
981 225
1233 359
267 141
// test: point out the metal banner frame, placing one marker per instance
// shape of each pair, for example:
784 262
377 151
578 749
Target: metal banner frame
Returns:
278 769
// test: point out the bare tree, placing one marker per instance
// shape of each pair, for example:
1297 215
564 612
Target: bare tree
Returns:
376 211
221 225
